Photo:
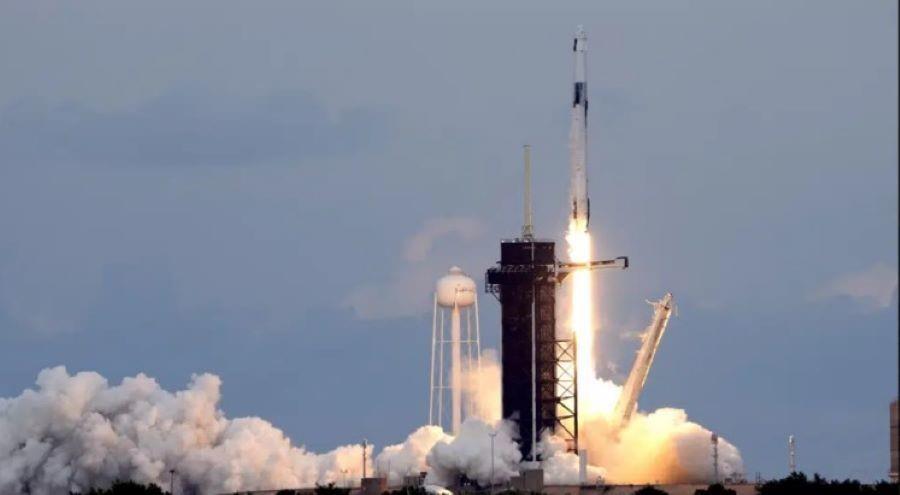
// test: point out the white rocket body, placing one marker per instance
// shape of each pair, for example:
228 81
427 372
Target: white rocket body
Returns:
578 192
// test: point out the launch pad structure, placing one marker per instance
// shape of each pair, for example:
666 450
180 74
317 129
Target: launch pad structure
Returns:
539 385
539 382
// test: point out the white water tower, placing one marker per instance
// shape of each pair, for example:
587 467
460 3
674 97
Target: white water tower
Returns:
456 299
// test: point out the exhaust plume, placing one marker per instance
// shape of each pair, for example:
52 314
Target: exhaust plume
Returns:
659 447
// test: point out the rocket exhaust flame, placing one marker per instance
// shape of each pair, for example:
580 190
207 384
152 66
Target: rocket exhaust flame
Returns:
579 243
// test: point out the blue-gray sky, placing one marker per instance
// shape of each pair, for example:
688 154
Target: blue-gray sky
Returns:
267 191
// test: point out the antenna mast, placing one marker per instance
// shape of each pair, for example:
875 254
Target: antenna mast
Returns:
792 453
528 225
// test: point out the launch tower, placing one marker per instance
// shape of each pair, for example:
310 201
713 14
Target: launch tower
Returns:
538 367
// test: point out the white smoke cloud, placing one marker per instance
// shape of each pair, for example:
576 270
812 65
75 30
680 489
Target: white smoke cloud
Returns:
76 431
409 458
469 453
562 467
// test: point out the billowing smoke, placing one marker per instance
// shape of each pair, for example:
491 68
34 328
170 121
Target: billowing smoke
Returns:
562 467
469 454
481 384
74 432
409 458
662 446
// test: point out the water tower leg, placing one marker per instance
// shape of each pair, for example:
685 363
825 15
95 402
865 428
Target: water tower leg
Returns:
431 372
455 369
441 387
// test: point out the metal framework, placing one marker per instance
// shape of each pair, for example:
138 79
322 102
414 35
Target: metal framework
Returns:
539 383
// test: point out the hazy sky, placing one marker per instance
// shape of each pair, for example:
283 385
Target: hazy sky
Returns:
268 191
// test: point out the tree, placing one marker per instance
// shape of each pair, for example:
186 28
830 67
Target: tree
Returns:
799 484
330 489
408 490
650 490
715 489
128 488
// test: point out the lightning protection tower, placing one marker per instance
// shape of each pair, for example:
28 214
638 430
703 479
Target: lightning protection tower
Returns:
792 454
456 300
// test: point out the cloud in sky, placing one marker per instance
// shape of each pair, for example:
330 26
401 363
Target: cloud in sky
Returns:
406 292
874 287
183 128
419 245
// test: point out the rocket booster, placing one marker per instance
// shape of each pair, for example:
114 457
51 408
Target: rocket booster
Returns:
580 203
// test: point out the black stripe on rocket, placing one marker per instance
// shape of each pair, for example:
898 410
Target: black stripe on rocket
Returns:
581 97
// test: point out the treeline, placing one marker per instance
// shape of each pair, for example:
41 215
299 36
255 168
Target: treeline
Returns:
799 484
127 488
794 484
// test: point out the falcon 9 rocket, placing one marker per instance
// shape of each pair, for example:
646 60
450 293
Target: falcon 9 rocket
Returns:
581 205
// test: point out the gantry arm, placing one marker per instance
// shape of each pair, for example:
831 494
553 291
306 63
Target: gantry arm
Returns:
564 268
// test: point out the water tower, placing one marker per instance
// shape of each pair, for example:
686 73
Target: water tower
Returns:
456 300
